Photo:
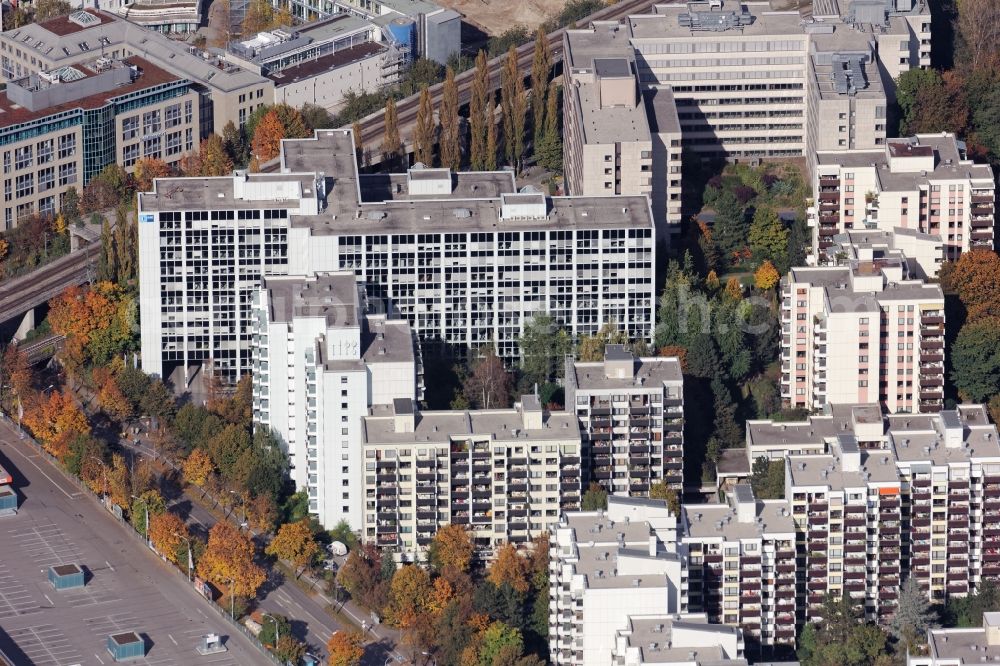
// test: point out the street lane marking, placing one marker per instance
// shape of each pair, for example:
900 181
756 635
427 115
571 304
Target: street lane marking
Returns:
51 480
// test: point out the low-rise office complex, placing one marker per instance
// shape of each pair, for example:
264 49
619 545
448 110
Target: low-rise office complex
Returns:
631 416
226 92
61 127
862 332
461 256
319 62
923 184
319 363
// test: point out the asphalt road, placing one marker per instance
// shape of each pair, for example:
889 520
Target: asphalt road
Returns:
310 621
128 589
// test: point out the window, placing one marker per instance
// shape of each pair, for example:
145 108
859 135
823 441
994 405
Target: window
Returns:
67 173
151 147
24 185
130 154
188 112
45 149
130 128
23 157
173 143
46 179
67 146
172 116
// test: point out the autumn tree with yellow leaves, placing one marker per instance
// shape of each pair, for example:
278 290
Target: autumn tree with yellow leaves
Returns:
295 542
167 532
228 561
509 567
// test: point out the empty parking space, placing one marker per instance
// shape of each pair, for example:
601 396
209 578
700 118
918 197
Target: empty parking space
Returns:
46 645
127 588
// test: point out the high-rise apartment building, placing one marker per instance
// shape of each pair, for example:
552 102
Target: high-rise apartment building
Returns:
740 566
62 127
631 415
922 184
505 474
318 364
961 646
619 139
749 80
605 566
679 640
862 333
877 499
461 256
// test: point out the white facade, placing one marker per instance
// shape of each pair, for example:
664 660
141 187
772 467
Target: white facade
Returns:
317 365
604 567
465 268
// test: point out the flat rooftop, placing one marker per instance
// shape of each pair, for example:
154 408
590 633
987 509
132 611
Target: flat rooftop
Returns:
647 373
333 296
327 63
376 188
441 427
826 470
149 76
387 341
949 162
664 640
65 42
711 521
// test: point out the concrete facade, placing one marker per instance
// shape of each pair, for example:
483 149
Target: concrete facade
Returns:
922 184
862 332
319 363
460 256
505 474
631 416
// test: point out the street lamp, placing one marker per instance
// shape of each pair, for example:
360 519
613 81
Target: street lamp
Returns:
190 556
276 628
243 507
145 506
104 476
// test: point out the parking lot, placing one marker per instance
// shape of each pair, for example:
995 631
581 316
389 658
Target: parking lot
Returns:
127 587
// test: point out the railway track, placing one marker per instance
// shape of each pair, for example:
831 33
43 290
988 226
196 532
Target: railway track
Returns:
21 294
373 126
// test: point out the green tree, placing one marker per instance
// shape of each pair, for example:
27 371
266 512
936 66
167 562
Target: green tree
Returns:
544 346
540 66
392 145
480 113
490 154
842 639
273 626
488 385
236 145
107 262
730 230
591 347
595 498
913 615
70 207
548 149
513 106
426 130
968 611
316 117
768 236
450 141
498 639
343 533
49 9
767 478
975 359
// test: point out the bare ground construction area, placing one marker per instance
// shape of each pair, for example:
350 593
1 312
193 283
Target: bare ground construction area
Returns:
496 16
